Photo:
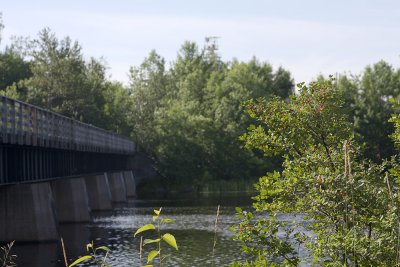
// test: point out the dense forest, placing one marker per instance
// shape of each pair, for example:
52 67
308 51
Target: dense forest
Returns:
186 114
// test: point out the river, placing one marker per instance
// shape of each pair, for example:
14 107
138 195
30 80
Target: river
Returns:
194 215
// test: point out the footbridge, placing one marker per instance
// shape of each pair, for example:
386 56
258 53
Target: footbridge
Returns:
54 169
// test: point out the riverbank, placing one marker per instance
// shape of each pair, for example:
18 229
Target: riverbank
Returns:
164 187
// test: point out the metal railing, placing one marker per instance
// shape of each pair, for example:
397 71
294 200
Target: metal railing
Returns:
25 124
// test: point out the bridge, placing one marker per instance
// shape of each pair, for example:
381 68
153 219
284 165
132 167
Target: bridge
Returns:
54 169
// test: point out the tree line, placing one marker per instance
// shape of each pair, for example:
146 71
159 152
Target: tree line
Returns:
186 114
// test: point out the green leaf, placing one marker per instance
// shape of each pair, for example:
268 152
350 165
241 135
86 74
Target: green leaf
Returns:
157 212
152 255
167 220
106 249
81 259
170 239
145 228
238 210
149 241
89 245
148 265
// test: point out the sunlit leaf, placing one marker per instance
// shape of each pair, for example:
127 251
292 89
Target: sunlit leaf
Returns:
152 255
170 239
149 241
167 220
88 246
81 259
145 228
157 212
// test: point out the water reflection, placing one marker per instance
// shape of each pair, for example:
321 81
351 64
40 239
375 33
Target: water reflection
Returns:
45 254
194 216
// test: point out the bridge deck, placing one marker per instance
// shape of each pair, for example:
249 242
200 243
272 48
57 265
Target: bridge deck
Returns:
25 124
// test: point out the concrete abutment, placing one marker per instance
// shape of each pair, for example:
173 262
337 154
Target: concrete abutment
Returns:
71 200
130 184
27 213
98 191
117 186
32 212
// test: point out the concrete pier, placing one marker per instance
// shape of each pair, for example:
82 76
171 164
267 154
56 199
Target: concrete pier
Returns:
130 184
117 186
27 213
32 212
71 200
98 191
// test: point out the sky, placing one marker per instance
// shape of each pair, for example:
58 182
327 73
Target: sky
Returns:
306 37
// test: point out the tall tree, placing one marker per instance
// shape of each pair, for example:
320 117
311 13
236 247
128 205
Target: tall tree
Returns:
117 109
190 115
148 87
58 74
367 99
13 69
64 82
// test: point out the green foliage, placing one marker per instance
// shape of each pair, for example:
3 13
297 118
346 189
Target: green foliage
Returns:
58 74
366 98
58 78
167 238
97 256
349 205
52 73
190 115
13 69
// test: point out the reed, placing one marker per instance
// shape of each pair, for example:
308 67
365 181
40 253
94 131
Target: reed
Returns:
8 259
215 234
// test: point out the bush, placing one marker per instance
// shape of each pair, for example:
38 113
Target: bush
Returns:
350 205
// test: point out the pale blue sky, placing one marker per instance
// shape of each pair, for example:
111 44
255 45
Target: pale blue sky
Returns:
307 37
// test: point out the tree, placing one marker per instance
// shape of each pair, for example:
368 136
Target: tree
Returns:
367 101
148 87
349 205
62 81
13 69
117 109
189 115
378 83
58 75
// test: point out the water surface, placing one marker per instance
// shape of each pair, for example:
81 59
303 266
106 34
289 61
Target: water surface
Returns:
194 215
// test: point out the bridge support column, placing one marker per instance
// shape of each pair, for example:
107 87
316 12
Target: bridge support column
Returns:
117 186
98 191
27 213
71 200
130 184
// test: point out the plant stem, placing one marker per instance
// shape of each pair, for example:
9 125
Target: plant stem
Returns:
215 233
64 252
159 243
141 247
